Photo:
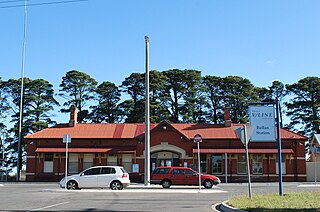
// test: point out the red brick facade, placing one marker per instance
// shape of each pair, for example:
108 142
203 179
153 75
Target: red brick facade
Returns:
171 144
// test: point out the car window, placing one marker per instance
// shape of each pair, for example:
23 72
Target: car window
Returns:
108 170
189 172
177 171
93 171
123 170
162 171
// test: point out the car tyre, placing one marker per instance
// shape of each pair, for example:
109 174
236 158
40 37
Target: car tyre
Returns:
72 185
166 183
116 185
208 184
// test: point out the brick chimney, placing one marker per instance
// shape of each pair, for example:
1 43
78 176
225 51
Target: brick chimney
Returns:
226 116
73 116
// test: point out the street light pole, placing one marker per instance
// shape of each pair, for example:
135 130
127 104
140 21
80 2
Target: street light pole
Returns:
19 158
147 119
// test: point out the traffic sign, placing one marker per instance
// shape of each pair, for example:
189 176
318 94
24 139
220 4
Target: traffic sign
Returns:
66 138
197 138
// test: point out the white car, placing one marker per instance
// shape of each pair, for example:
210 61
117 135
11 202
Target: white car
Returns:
114 177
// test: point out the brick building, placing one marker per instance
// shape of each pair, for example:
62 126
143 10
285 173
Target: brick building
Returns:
221 152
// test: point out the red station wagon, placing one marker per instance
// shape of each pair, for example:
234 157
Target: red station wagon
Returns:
167 176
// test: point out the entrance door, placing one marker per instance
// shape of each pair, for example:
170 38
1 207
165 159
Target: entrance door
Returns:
164 162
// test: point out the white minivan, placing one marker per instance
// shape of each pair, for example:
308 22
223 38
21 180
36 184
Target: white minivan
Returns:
114 177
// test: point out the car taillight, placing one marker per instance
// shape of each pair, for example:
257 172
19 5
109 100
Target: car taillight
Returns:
124 175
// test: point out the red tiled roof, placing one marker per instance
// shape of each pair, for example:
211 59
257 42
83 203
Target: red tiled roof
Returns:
130 130
243 151
73 150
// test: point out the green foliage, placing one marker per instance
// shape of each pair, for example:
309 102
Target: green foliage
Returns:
77 88
107 95
38 101
304 107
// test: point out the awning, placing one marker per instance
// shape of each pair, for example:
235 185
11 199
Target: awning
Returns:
73 150
243 151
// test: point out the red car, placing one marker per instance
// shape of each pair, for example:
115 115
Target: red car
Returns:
167 176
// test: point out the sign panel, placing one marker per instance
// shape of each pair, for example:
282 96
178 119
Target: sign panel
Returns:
262 118
240 132
197 138
66 138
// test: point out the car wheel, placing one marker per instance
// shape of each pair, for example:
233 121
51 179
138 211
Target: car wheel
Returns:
208 184
73 185
166 183
116 185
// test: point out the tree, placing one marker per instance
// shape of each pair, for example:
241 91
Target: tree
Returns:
38 101
237 92
278 92
213 90
108 95
158 110
134 85
180 94
78 89
304 107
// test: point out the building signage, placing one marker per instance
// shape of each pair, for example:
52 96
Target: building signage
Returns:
262 118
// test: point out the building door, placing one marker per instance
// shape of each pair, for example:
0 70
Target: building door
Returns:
164 162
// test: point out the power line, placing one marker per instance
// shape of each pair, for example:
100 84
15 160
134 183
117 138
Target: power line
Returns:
38 4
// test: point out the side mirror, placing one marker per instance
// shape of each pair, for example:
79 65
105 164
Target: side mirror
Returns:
81 174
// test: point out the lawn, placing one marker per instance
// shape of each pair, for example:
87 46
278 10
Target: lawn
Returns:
299 201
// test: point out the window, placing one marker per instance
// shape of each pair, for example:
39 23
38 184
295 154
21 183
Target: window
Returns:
203 163
190 172
87 160
216 164
93 171
48 163
161 171
242 164
112 160
108 170
257 164
127 162
73 163
177 171
284 170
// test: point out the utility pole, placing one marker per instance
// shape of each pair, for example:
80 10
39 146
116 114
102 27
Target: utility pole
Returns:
147 119
19 159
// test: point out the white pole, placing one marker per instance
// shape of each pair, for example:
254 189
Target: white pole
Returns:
19 158
247 160
226 166
199 168
315 165
147 120
66 174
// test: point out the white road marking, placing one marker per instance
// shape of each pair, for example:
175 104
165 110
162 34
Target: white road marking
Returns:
309 185
49 206
142 190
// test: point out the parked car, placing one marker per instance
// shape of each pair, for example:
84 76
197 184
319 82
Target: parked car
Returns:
167 176
113 177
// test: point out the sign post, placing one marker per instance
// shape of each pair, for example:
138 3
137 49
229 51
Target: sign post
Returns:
66 140
198 139
244 134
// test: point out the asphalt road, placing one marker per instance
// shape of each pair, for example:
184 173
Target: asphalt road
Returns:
49 197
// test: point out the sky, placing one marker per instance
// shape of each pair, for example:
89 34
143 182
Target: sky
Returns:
262 40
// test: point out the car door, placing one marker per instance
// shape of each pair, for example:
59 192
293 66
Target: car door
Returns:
107 175
88 178
177 176
191 177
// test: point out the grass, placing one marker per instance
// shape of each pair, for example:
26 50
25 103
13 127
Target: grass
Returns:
298 201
